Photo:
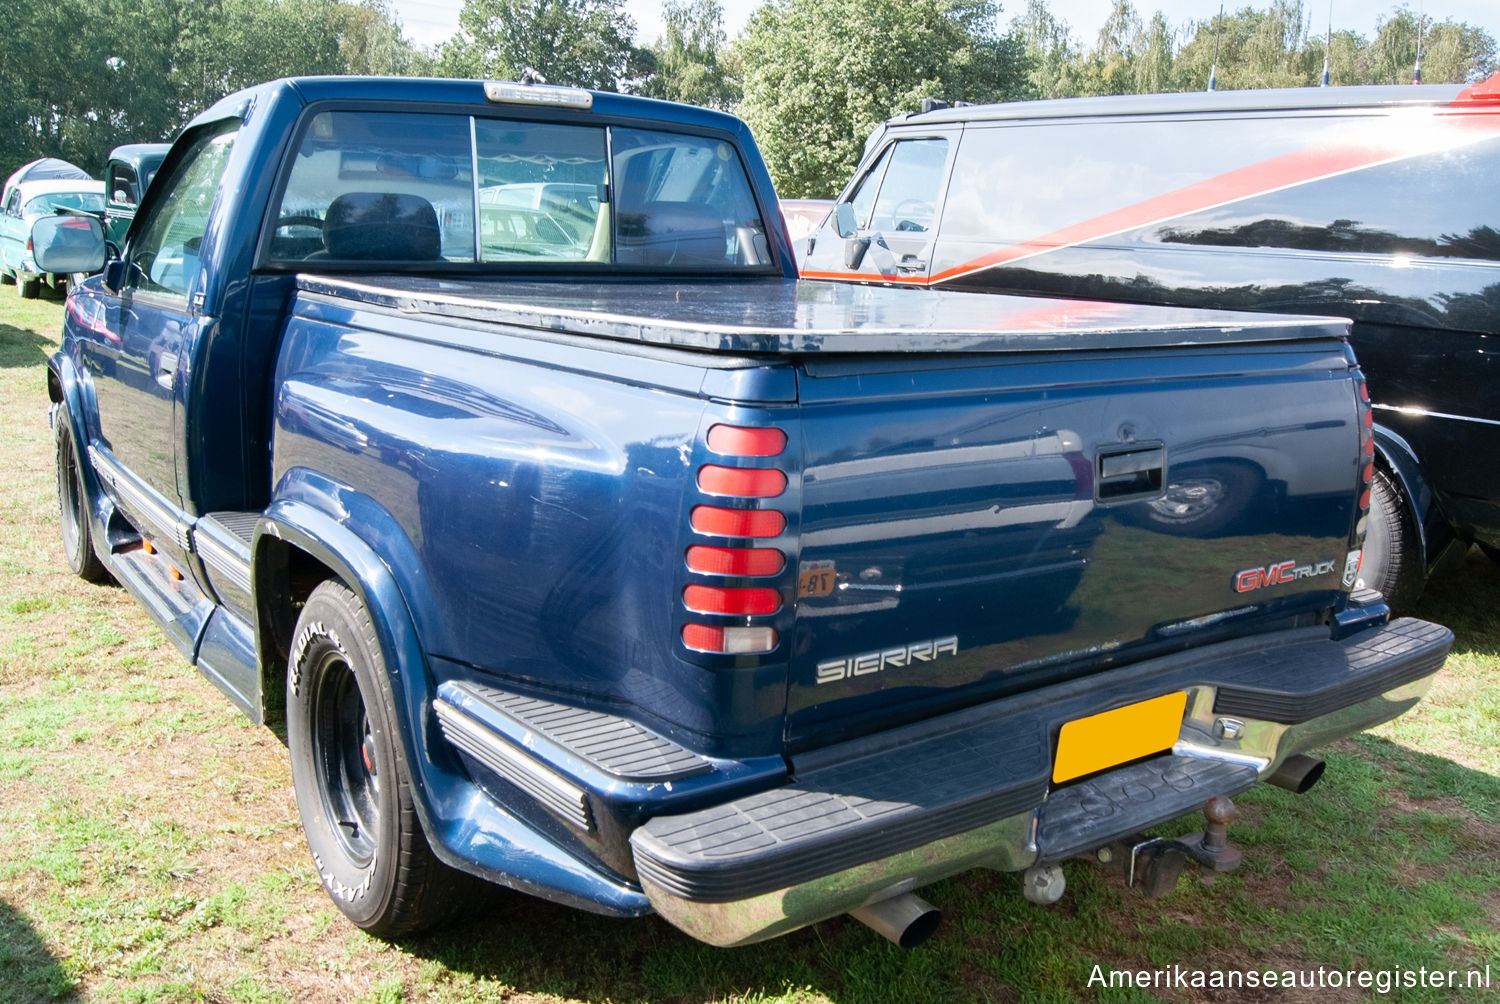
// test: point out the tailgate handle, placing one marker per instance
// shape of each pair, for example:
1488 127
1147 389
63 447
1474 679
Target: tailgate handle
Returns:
1131 473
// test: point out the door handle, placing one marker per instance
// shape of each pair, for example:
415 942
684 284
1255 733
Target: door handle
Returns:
166 370
1133 473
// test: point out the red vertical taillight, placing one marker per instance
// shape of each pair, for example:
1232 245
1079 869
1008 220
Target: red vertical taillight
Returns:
747 554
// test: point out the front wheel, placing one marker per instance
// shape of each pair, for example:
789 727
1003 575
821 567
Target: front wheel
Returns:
73 506
352 790
1393 558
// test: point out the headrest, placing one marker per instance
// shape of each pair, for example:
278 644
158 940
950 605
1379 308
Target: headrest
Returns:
382 226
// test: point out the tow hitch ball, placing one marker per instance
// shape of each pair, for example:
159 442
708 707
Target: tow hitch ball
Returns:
1154 864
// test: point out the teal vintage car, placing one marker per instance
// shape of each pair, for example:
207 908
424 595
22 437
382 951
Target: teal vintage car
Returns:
24 205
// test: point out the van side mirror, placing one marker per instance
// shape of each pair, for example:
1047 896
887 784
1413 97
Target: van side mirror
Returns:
843 220
854 245
68 244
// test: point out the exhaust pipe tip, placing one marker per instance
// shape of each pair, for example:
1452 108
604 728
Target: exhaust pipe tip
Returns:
1298 773
906 920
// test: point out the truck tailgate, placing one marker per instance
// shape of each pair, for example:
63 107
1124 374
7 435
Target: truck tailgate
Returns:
975 526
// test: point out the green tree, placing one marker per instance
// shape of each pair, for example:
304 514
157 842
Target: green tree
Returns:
581 43
370 42
686 62
129 71
1452 53
1257 48
1052 59
819 75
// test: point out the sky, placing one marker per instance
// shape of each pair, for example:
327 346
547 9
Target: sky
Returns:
429 22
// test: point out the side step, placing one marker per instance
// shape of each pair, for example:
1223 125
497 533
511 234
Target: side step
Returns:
222 540
616 746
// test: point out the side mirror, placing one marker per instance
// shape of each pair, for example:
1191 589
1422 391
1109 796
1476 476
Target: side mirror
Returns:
843 220
68 244
854 245
114 275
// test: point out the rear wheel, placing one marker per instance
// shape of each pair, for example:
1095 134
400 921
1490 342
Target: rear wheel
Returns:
352 790
27 288
1393 558
72 505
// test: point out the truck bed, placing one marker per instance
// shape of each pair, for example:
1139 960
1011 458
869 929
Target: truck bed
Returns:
791 316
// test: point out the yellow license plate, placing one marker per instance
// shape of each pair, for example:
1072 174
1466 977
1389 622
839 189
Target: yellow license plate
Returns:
1119 736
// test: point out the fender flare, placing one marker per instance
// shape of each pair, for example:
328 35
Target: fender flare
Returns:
307 528
447 804
1395 454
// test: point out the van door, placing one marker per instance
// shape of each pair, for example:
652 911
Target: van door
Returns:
896 205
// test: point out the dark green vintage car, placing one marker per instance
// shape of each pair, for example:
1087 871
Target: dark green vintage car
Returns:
130 170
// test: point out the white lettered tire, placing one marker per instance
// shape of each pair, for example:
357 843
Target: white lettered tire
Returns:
352 790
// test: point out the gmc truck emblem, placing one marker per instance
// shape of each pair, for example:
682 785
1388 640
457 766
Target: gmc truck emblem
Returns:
834 670
1279 574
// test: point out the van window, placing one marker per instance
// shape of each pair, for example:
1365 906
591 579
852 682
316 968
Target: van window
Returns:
1067 181
909 194
1439 205
864 196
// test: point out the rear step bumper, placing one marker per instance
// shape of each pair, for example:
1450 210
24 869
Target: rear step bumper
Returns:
884 815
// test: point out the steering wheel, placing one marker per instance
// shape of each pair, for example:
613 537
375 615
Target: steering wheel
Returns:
909 211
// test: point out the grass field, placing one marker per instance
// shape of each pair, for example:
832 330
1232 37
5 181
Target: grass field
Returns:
150 851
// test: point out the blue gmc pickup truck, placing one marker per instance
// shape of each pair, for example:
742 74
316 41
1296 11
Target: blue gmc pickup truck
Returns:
484 435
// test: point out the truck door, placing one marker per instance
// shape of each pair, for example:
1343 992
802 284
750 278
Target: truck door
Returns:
137 375
896 204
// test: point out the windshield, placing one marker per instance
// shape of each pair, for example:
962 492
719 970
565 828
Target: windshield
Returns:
42 205
398 188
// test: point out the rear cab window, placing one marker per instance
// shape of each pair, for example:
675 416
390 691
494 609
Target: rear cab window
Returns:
435 191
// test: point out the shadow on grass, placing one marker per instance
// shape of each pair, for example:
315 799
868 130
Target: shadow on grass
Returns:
28 972
20 347
1464 595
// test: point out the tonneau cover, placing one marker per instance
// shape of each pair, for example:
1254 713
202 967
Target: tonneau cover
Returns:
794 316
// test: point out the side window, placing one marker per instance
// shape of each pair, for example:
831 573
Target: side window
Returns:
864 196
13 207
913 182
379 186
122 185
165 259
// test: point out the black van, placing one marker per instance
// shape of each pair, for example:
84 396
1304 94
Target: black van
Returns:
1381 204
